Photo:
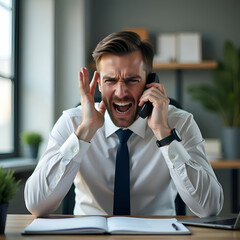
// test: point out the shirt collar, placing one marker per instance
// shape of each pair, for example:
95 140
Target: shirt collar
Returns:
139 126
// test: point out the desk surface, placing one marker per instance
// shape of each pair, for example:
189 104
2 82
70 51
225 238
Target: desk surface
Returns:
16 223
226 164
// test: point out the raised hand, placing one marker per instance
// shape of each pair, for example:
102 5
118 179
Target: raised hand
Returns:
92 119
158 120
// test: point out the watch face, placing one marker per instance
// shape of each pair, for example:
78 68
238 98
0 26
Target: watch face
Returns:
177 135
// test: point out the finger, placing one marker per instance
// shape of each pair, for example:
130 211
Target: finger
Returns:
163 89
102 108
151 91
156 101
93 83
85 80
159 86
85 77
153 95
83 83
157 90
80 81
154 84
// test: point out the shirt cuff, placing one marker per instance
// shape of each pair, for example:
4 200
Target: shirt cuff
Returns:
175 154
72 147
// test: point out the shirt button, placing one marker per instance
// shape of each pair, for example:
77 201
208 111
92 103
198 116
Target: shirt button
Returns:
172 156
75 150
58 176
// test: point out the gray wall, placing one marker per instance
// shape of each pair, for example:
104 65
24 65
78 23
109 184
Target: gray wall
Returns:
216 20
36 66
58 37
69 52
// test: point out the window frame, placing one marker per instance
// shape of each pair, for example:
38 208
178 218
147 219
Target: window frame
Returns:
14 78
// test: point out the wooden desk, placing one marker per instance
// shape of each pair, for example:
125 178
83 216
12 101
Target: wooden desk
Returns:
16 223
234 166
225 164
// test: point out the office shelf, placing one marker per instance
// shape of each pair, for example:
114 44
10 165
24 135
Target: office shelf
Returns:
179 67
176 65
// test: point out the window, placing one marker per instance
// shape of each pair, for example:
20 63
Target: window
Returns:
8 80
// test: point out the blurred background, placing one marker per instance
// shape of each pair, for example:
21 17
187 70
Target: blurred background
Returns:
55 38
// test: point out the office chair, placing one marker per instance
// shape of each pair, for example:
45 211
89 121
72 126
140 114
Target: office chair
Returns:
69 200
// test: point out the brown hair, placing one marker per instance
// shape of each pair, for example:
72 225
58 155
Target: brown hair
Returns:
124 42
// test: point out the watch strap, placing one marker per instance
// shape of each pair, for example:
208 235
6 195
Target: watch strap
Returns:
165 141
174 136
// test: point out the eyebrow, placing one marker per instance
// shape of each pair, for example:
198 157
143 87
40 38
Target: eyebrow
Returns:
125 79
108 77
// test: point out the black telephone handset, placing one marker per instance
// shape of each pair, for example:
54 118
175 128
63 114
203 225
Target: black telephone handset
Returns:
147 107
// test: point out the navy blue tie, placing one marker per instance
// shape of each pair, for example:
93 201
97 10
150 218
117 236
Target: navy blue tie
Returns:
121 203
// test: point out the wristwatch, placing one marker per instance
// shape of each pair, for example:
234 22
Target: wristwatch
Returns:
174 136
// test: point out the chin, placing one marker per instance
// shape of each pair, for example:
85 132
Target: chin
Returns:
122 119
123 122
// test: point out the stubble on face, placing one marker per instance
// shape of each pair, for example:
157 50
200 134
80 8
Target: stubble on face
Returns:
121 83
121 121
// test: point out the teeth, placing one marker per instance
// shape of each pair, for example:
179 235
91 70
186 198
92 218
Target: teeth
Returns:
122 104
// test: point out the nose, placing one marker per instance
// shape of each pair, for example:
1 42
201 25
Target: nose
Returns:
121 89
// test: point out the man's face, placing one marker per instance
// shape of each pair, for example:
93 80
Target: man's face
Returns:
121 83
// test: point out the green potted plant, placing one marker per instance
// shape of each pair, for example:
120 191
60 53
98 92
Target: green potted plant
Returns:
223 98
8 188
32 140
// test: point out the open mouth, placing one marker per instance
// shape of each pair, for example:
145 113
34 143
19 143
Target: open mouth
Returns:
122 107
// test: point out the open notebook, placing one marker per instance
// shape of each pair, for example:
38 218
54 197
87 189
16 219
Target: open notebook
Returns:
215 221
103 225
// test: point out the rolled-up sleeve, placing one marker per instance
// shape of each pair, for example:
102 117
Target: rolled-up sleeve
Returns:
56 170
192 173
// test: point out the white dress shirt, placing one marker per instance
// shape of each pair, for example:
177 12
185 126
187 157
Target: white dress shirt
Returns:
156 174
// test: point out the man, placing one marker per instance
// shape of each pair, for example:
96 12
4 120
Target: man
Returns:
83 144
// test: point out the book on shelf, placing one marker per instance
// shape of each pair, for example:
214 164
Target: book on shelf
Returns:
105 225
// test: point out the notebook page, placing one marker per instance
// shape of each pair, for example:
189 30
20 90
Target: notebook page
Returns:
130 225
43 225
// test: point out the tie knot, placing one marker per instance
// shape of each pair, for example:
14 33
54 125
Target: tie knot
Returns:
123 135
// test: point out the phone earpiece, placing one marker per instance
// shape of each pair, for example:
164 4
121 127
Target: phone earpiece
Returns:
147 107
152 77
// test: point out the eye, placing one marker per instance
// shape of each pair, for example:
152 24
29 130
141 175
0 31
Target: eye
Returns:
132 81
110 80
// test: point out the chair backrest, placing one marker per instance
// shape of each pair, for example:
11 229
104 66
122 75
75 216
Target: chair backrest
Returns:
69 200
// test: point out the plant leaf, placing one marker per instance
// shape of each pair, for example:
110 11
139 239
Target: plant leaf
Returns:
223 95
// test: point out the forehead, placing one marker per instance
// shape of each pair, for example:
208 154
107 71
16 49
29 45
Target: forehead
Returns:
132 62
